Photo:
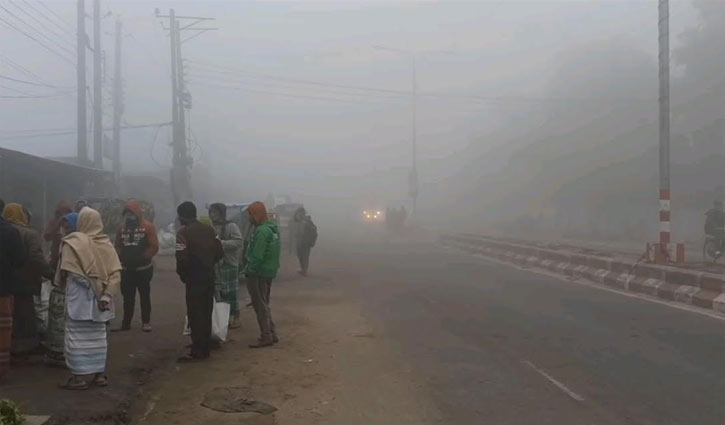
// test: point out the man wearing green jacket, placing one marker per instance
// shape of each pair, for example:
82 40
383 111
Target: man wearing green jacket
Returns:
262 265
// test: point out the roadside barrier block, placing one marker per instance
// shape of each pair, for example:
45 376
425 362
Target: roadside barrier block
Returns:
564 268
685 293
580 271
704 298
712 282
667 291
600 275
646 286
702 289
718 303
625 280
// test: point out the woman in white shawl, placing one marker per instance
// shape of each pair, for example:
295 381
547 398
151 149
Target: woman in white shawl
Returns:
90 272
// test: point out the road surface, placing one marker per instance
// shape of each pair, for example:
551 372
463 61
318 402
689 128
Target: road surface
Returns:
501 345
409 332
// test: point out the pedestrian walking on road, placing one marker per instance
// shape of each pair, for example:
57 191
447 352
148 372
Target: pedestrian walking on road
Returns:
262 266
90 272
197 252
55 337
227 270
306 238
136 244
11 259
29 279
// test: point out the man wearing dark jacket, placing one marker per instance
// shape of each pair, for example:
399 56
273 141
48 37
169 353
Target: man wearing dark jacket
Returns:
136 244
306 238
11 259
197 252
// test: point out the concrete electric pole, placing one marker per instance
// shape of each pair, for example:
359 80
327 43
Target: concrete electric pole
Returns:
97 94
664 119
665 251
181 163
117 105
82 141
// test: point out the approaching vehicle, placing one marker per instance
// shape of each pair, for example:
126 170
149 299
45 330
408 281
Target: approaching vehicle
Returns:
373 215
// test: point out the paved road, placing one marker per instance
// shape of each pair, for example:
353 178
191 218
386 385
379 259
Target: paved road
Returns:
494 344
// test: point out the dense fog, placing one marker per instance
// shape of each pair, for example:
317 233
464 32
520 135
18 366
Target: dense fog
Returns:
532 117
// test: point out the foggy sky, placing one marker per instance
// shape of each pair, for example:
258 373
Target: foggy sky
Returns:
310 146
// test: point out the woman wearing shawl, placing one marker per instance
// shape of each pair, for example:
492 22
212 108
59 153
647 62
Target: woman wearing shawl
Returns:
90 272
55 338
27 281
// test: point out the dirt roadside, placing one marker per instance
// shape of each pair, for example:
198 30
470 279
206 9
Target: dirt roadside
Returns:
330 368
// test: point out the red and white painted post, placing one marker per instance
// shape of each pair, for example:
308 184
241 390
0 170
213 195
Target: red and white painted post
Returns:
664 251
665 227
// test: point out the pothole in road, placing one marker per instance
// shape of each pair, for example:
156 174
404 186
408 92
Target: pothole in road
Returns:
235 400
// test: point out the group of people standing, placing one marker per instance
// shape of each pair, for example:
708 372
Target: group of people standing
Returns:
86 269
208 254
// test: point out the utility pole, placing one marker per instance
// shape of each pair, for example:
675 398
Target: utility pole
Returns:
117 105
413 177
664 119
181 163
180 104
414 137
97 94
82 142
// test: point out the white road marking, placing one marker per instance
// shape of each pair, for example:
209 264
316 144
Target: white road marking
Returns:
642 297
553 380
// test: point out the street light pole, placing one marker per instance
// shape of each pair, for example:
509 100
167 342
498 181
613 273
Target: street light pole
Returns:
413 177
414 137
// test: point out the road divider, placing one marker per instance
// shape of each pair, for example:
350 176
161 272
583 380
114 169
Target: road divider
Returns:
692 287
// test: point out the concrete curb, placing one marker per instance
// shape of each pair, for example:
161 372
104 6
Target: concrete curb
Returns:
691 287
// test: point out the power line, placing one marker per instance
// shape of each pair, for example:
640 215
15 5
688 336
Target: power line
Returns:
4 77
478 98
39 12
36 30
51 50
35 97
58 17
251 90
297 87
223 70
42 25
21 69
32 134
15 90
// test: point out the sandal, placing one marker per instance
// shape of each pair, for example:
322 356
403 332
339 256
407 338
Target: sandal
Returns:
100 380
74 383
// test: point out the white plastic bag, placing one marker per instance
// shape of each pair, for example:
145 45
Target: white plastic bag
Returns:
41 306
219 322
